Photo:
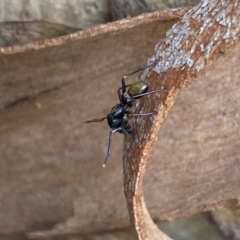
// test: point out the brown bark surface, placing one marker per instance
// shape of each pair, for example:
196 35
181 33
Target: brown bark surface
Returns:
206 31
51 180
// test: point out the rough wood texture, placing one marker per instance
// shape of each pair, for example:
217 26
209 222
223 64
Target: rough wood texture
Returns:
202 35
51 180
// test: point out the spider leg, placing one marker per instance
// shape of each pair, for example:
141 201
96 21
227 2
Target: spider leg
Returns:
130 114
148 93
110 145
120 95
121 92
139 114
127 130
130 74
96 120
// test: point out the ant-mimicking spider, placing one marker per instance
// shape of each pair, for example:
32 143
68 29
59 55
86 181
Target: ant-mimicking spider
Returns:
118 117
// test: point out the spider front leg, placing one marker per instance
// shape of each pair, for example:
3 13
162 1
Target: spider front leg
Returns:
124 129
130 74
110 145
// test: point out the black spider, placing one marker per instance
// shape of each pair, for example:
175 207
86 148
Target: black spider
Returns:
118 117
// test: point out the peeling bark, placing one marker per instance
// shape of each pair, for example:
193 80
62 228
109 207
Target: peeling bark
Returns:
206 32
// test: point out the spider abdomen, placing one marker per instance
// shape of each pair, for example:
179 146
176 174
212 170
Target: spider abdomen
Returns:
138 88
